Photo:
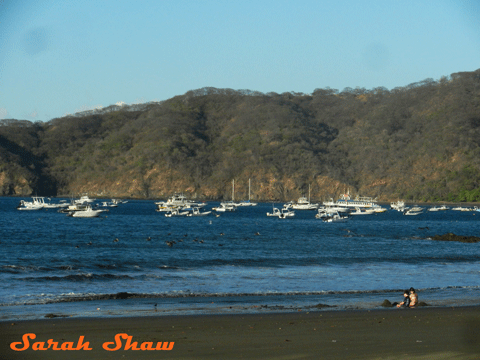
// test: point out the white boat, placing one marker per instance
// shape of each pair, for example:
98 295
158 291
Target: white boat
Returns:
84 200
176 212
413 211
438 208
30 205
177 201
275 212
88 212
460 208
359 211
196 212
336 217
286 213
226 206
246 202
303 203
347 203
109 204
399 205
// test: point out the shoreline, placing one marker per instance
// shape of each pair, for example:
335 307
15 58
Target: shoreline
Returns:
420 333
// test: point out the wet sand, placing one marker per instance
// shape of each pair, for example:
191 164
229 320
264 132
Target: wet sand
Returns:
422 333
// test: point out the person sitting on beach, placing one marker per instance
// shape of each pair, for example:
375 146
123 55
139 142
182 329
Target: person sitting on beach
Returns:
406 301
413 298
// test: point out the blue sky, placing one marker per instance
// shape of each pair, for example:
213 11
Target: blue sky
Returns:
60 57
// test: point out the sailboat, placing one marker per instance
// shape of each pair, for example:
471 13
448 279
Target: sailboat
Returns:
227 205
246 202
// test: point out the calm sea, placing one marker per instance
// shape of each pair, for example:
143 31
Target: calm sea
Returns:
238 262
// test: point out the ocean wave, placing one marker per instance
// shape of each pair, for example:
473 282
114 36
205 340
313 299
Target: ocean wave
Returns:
78 277
72 297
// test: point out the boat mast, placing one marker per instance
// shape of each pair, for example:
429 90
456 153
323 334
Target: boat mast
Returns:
233 190
248 189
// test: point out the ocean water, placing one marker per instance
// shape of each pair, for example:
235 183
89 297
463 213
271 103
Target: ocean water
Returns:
238 262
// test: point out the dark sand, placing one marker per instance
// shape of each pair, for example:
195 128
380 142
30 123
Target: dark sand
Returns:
422 333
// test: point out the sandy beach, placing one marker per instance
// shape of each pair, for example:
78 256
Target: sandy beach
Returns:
422 333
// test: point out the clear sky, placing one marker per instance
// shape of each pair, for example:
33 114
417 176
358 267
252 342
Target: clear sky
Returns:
59 57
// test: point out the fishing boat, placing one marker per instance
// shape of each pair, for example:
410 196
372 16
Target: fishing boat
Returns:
84 200
336 217
225 206
177 201
286 213
399 205
196 212
30 205
275 212
359 211
88 212
176 212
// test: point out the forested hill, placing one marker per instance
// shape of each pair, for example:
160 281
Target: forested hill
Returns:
419 142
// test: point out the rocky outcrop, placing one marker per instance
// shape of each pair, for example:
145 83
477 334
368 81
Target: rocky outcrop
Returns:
459 238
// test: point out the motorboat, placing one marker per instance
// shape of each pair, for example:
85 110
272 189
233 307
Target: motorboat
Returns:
196 212
177 201
399 205
30 205
88 212
413 211
275 212
84 200
226 206
438 208
336 217
109 204
461 208
286 213
359 211
176 212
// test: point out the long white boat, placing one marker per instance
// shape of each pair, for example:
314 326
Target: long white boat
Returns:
345 202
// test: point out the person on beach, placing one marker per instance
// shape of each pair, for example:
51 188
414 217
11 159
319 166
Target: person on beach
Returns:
413 298
406 299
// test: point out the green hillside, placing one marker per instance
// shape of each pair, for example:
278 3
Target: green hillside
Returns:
419 142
